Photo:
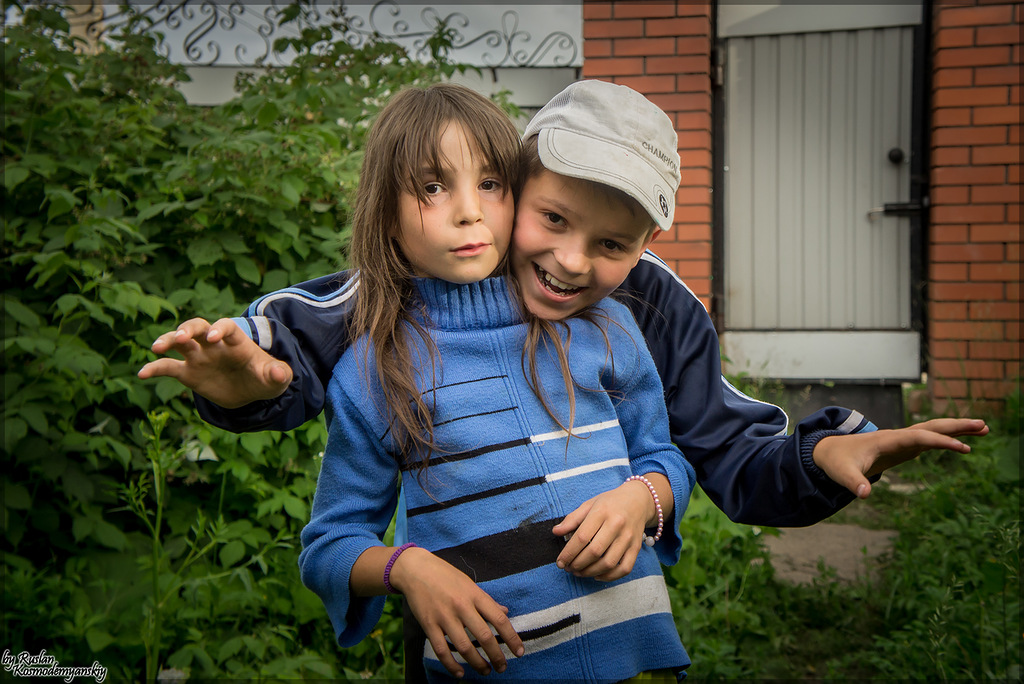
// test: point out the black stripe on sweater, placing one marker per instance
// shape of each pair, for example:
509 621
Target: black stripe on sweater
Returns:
472 453
536 633
487 493
523 548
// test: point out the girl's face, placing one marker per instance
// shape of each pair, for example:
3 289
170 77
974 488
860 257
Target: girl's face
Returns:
461 233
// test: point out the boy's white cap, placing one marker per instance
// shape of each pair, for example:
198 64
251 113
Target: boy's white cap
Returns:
611 134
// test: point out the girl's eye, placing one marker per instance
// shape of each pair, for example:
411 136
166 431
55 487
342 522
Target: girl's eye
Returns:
432 188
490 184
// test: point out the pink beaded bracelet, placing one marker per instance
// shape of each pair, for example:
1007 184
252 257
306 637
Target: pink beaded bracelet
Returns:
391 562
650 541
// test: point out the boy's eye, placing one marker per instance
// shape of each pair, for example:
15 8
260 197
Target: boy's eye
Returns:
432 188
552 217
612 245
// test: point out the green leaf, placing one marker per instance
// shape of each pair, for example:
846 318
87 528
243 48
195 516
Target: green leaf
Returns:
61 202
231 553
247 269
81 527
21 313
267 114
14 176
204 251
229 648
168 388
292 188
16 496
110 536
296 508
98 639
35 417
14 430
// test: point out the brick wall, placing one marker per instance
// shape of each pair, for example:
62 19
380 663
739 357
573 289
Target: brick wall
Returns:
974 301
662 49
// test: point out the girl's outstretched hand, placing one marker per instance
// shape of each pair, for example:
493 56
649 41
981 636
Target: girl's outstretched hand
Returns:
607 532
446 602
220 363
851 459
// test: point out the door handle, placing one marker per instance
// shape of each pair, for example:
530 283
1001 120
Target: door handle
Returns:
896 209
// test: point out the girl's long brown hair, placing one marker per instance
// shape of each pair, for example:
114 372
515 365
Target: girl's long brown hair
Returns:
404 139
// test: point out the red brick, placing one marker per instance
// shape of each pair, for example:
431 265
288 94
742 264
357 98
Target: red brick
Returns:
997 272
694 232
690 83
596 48
997 75
999 154
1014 291
964 292
695 159
613 29
1015 94
998 35
996 232
679 65
973 97
1015 54
953 78
967 330
954 37
948 311
696 176
954 233
992 389
648 84
969 213
693 121
630 47
975 16
700 140
994 311
970 175
1012 213
952 116
613 66
1013 252
947 390
949 349
626 10
677 102
945 272
693 46
1013 173
967 369
1009 114
995 350
596 10
989 194
974 56
690 195
688 8
969 135
693 214
679 27
1012 329
951 156
950 194
1013 135
686 251
986 251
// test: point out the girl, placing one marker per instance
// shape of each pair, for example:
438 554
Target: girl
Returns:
443 393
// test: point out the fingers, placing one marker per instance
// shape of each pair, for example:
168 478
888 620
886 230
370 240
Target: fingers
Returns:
171 368
183 337
954 426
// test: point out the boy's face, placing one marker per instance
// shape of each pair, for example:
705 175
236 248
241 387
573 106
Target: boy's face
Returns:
461 233
572 246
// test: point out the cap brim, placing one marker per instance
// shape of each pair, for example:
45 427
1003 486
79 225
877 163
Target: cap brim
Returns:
581 156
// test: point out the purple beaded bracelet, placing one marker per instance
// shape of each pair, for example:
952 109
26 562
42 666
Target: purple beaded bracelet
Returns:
391 562
650 541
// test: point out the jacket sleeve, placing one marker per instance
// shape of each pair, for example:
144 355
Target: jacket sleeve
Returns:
306 327
644 424
738 446
356 495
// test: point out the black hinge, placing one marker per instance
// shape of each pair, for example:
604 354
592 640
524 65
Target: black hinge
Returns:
717 67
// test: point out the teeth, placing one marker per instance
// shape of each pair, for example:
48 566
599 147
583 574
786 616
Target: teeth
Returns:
555 284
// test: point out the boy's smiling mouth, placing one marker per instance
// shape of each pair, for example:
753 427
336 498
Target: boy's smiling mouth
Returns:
554 285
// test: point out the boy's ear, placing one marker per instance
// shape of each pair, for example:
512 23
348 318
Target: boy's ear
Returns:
647 243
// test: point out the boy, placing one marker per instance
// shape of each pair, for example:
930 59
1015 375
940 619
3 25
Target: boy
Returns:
744 459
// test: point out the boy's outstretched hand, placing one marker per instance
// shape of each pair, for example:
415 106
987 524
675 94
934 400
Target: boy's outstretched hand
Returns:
220 363
851 459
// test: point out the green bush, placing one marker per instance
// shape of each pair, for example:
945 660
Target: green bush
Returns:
134 534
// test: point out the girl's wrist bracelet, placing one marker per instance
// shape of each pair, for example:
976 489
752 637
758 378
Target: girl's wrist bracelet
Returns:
391 563
650 541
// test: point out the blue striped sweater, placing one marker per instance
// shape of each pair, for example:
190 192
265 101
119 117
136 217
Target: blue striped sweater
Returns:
505 478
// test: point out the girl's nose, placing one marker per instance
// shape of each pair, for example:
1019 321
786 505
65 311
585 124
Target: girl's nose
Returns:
468 210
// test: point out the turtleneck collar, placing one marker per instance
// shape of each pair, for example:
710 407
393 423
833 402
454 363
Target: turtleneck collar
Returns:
484 304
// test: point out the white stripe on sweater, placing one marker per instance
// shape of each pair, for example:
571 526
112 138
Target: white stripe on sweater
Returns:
577 432
590 468
623 602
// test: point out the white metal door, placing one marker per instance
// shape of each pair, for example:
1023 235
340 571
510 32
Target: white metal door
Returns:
817 135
